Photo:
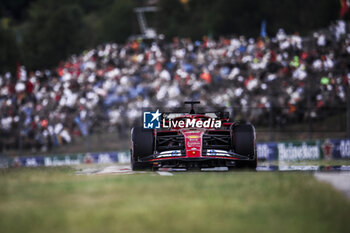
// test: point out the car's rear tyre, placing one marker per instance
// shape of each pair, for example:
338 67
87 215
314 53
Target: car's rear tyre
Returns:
142 146
244 144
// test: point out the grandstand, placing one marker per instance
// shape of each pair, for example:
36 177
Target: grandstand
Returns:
274 82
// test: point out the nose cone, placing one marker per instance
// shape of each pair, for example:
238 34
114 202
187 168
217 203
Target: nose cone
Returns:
193 143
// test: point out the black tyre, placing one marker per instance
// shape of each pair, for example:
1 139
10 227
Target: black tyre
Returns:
244 144
142 146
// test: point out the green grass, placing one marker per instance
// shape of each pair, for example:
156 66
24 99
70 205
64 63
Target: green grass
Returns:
56 200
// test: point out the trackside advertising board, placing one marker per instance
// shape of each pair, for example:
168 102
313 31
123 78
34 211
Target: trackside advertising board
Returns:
305 150
66 160
283 151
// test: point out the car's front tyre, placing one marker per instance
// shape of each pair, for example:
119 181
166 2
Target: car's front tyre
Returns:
244 144
142 146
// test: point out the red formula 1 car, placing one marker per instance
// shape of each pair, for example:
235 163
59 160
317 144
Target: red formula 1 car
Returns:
194 141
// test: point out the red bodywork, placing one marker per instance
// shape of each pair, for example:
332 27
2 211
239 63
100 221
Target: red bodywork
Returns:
193 142
204 140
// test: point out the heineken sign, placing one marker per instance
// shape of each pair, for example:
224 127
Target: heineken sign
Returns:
294 152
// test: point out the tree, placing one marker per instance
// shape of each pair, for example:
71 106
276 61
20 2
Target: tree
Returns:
116 22
225 17
53 32
9 54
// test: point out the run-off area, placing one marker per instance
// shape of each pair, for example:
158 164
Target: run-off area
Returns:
337 175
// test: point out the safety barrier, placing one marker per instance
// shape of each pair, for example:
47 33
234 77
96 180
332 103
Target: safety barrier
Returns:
66 160
304 150
283 151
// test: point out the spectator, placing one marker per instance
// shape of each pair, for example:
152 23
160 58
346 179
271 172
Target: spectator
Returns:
108 86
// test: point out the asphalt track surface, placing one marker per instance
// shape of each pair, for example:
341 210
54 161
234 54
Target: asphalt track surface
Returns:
339 180
337 176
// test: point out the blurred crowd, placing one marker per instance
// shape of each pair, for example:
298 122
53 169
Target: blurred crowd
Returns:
106 88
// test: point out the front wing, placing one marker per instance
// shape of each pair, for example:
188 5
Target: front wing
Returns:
208 157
